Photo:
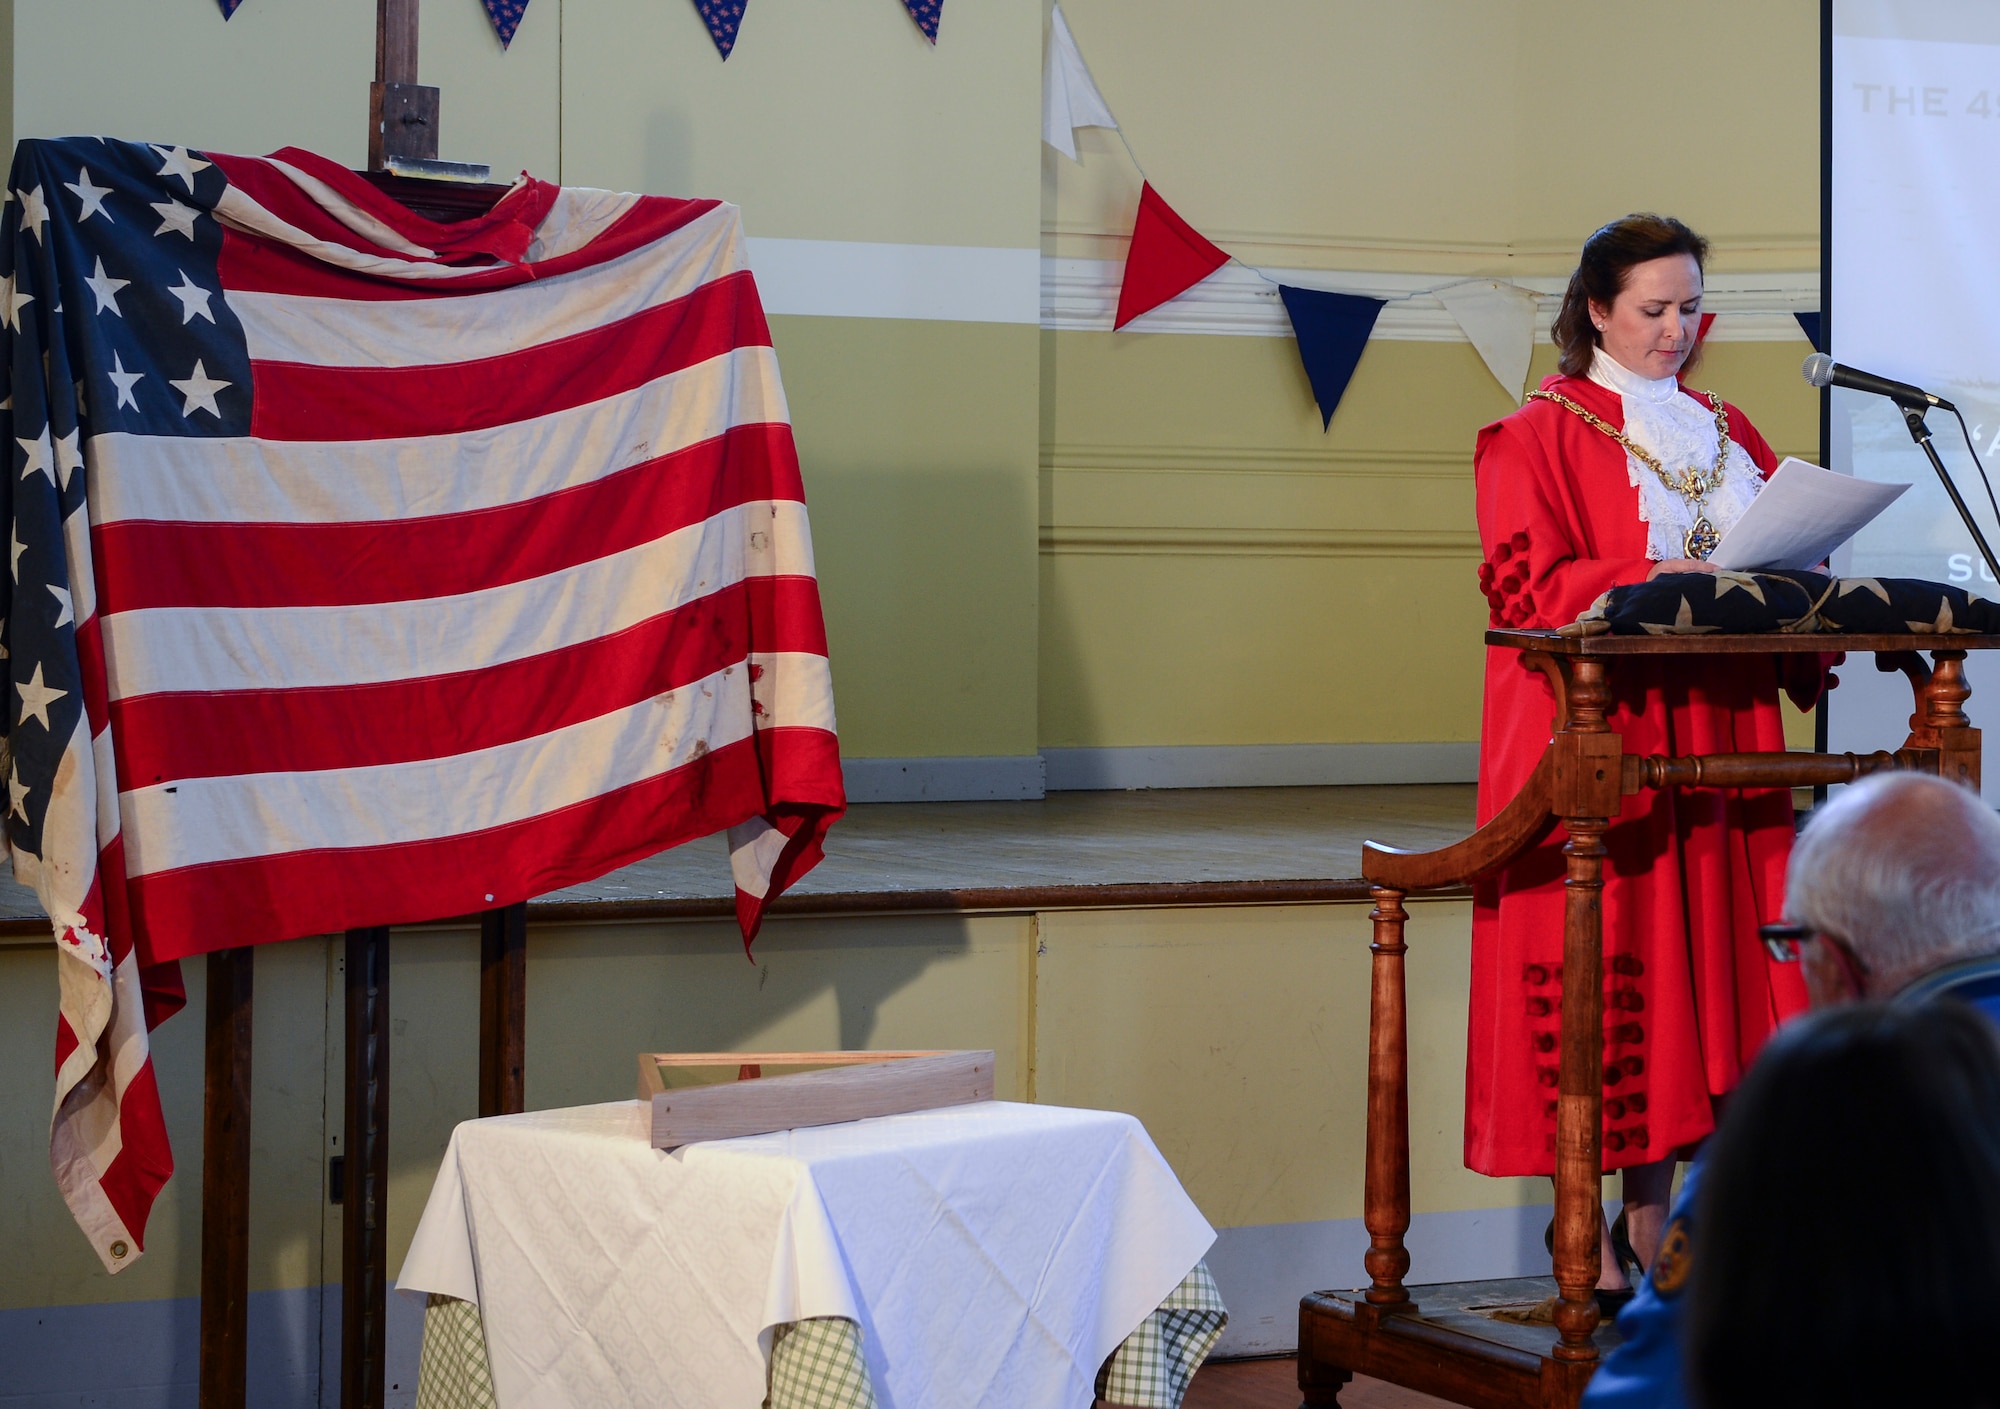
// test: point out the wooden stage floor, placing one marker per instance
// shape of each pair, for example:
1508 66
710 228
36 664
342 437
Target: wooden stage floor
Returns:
1141 838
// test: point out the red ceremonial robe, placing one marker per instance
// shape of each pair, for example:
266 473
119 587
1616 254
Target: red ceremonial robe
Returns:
1690 993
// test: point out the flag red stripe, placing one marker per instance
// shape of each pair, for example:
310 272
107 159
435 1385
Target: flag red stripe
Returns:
144 1161
296 402
65 1040
202 908
163 738
256 265
149 564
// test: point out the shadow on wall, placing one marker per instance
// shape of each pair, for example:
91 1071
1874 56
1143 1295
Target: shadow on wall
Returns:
597 997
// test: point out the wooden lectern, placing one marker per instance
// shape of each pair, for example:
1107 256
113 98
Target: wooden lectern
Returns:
1436 1339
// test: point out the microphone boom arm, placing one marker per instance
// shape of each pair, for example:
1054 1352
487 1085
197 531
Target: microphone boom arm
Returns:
1913 416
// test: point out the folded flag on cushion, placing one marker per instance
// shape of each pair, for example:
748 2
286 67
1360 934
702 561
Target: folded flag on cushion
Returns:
1696 603
368 570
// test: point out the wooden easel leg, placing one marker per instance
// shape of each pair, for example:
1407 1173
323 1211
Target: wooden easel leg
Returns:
225 1182
365 1229
1386 1203
503 1008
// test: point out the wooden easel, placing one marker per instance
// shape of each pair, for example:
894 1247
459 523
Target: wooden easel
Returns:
1434 1339
403 122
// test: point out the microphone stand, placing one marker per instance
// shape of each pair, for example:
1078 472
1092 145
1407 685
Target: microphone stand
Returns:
1913 416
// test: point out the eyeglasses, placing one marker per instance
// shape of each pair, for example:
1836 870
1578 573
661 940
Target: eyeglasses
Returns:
1786 942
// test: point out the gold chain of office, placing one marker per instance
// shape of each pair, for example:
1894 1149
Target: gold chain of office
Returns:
1693 485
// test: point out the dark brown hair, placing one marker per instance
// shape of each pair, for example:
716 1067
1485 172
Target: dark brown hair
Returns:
1847 1227
1607 260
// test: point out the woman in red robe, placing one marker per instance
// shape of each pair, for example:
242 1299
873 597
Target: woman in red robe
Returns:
1579 491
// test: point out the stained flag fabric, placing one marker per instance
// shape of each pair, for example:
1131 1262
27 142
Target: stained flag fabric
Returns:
1332 331
1069 94
366 570
723 18
1167 257
506 16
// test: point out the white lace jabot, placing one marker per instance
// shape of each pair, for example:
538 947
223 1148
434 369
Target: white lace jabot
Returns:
1680 432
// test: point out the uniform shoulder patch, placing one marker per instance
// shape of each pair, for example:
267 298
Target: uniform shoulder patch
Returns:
1674 1260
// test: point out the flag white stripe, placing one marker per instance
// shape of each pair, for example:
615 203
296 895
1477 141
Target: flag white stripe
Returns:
205 820
343 332
219 649
237 209
578 215
350 214
195 479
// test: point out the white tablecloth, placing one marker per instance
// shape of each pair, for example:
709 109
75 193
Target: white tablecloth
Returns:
993 1255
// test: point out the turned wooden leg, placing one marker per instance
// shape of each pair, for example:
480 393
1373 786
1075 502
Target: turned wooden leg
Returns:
1580 1108
1587 795
1942 705
1387 1194
364 1253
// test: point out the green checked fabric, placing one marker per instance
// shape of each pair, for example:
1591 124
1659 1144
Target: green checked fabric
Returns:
453 1372
817 1364
1151 1370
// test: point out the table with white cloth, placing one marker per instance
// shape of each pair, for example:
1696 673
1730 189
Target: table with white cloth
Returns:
993 1254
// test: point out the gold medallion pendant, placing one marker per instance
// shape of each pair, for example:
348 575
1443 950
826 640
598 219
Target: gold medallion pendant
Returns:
1698 542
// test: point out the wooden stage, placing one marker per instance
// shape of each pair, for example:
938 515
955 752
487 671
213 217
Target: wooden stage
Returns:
1068 850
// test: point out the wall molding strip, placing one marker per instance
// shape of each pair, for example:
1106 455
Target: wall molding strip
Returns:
858 279
1080 540
1081 295
1260 765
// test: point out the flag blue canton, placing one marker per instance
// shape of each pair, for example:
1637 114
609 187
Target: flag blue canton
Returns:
116 324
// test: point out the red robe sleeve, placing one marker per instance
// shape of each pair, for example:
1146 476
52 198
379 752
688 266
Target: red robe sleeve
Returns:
1535 574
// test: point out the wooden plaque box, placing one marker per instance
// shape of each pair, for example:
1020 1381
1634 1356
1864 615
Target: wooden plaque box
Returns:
716 1095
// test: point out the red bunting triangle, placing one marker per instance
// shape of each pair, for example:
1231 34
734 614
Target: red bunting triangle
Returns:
1168 257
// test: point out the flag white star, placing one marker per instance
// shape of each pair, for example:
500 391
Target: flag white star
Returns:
18 791
37 697
124 381
194 300
12 302
200 390
105 289
176 162
176 217
14 535
68 613
41 457
69 456
92 197
34 211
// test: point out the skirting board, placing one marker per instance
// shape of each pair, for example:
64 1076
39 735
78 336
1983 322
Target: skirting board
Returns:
1012 777
1006 777
1260 766
145 1354
1263 1271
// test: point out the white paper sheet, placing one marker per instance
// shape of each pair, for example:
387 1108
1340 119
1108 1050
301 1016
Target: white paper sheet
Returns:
1800 516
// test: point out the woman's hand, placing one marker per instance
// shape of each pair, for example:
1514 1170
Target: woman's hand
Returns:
1679 565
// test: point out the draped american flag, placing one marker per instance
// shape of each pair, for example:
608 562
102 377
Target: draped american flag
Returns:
371 570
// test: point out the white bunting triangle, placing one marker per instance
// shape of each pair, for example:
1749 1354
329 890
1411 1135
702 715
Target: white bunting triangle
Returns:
1069 96
1499 318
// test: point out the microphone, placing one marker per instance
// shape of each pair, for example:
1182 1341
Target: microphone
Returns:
1822 370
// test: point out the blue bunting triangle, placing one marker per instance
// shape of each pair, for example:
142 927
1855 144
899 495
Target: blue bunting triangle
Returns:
506 17
1331 329
1809 325
228 7
723 18
926 14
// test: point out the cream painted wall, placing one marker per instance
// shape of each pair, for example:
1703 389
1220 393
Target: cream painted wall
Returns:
1436 134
